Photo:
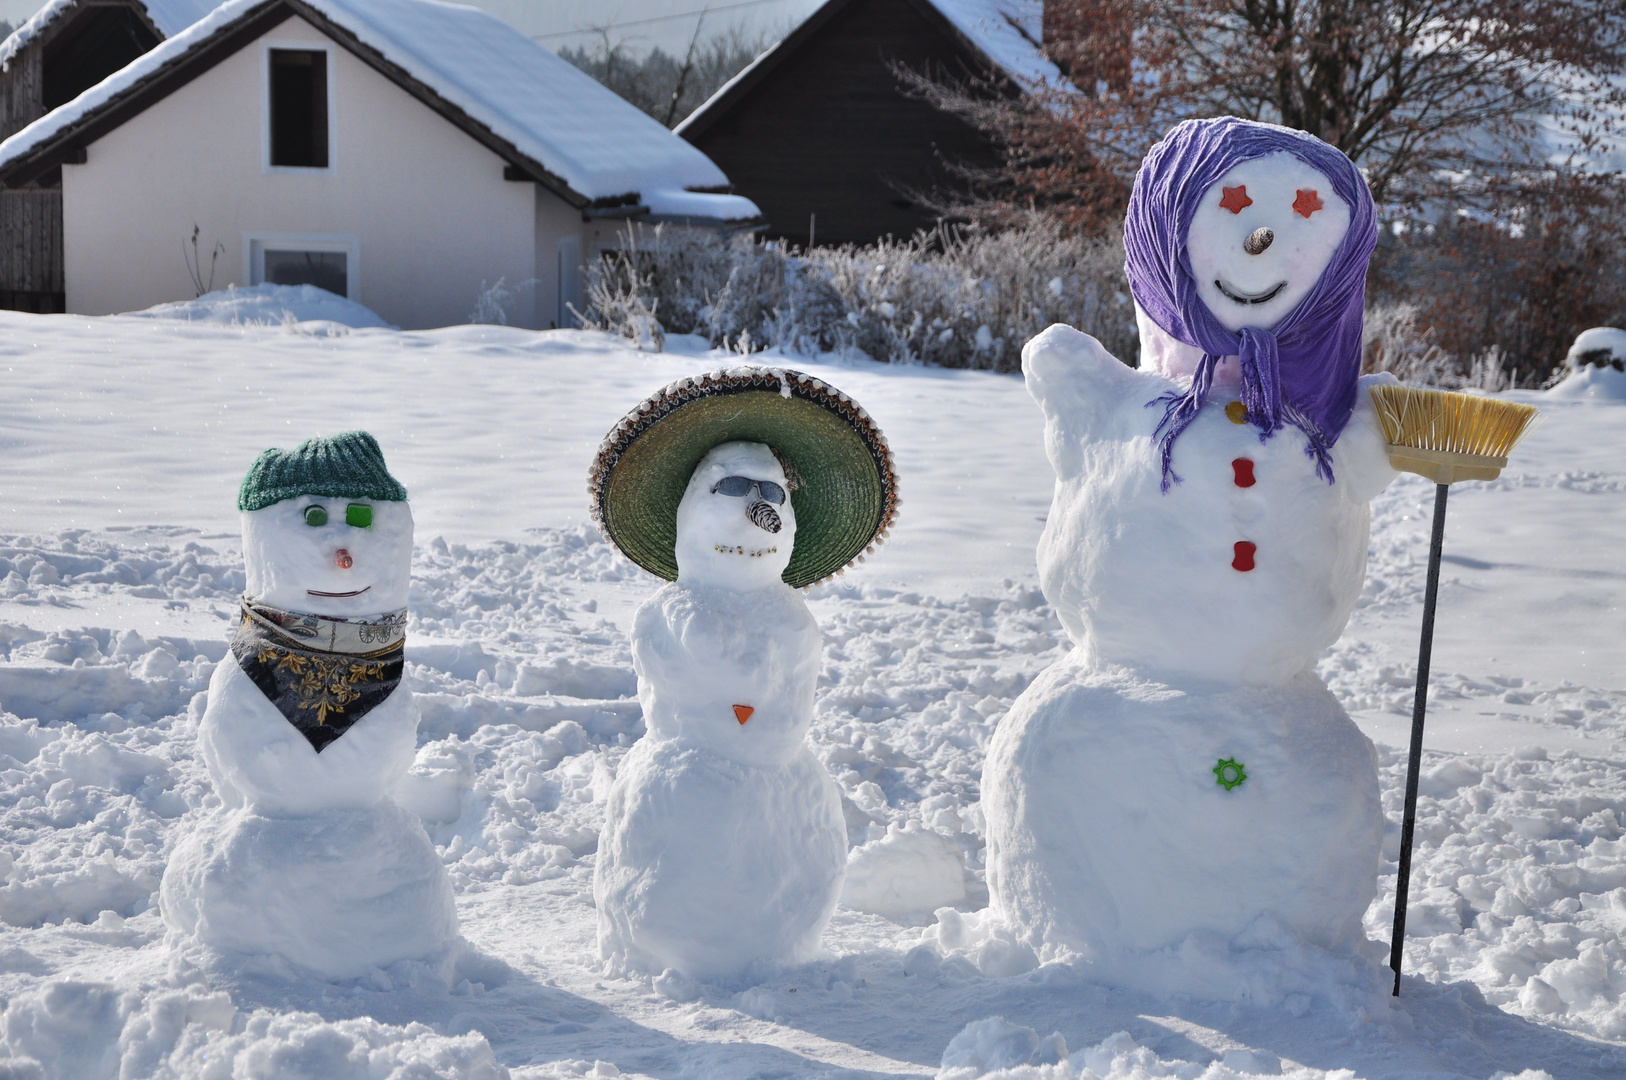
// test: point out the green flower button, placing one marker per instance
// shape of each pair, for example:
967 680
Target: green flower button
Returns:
1230 773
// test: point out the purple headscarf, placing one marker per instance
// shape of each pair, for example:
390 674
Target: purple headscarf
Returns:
1302 372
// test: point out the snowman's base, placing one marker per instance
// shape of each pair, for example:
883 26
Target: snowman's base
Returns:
713 867
337 895
1111 826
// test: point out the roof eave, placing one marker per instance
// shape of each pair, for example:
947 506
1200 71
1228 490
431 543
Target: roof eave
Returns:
69 143
427 95
697 123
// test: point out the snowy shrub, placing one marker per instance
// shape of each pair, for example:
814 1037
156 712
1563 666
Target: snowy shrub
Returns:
491 303
949 297
1395 340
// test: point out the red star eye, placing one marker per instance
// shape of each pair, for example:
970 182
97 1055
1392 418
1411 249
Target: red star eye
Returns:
1236 198
1307 203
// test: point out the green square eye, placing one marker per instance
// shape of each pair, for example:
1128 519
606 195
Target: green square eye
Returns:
358 515
315 515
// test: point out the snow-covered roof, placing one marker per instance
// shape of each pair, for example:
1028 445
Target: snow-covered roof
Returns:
169 16
1008 32
538 110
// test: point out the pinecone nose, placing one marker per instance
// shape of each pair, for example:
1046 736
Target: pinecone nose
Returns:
1258 240
763 516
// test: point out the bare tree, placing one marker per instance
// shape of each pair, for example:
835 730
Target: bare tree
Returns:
1461 98
658 83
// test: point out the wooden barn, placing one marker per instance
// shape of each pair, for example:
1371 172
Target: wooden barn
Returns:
818 133
66 48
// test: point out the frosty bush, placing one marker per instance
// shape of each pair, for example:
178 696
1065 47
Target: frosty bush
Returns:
948 297
1395 340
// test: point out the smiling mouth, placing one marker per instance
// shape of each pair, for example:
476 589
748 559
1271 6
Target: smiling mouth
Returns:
1250 298
335 595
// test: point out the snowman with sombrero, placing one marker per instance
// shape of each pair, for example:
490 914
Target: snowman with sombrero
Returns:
308 864
724 846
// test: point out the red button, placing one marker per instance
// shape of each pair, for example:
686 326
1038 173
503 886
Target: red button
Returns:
1244 472
1244 555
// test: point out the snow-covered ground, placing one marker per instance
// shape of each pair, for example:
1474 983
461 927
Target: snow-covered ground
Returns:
123 440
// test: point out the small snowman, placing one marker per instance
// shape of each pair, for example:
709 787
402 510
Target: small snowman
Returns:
308 863
724 845
1183 774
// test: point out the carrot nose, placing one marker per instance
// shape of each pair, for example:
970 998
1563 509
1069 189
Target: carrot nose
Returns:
743 712
342 559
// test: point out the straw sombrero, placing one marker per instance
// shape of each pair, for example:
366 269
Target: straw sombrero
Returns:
847 493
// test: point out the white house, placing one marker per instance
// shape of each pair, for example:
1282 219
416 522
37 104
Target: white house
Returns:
399 152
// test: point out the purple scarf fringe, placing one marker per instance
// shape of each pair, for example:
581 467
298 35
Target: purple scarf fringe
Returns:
1303 373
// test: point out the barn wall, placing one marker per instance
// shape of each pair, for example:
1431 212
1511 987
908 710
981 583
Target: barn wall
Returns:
828 133
432 212
30 220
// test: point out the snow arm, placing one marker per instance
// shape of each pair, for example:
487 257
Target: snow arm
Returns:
1076 383
1361 454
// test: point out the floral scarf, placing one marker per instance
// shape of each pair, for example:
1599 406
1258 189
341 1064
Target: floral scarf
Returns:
323 674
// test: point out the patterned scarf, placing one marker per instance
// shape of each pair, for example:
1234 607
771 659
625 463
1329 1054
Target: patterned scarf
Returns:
322 674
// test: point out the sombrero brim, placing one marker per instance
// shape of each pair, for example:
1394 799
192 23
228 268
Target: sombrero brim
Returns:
846 498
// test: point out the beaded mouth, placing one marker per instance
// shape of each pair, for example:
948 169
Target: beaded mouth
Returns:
1250 298
754 553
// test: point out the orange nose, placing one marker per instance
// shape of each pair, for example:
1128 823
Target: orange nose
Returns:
342 559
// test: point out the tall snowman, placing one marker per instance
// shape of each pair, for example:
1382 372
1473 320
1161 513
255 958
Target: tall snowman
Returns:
308 864
724 846
1183 770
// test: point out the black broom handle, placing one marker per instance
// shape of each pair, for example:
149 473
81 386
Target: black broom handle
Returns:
1414 765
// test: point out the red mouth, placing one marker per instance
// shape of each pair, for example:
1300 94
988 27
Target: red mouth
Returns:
335 595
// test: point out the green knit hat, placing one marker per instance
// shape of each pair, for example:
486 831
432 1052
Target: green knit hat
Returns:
345 466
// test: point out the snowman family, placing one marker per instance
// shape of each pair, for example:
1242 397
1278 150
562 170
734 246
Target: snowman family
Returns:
1181 771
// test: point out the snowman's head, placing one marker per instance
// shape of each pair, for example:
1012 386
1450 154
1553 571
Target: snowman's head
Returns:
736 525
1261 238
1251 241
326 529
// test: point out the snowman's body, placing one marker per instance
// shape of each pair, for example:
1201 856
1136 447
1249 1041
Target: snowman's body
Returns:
723 843
1198 599
308 861
1107 827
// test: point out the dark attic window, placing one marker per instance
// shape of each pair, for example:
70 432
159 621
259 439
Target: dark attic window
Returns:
96 41
299 108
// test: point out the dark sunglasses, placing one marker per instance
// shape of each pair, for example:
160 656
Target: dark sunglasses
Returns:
739 487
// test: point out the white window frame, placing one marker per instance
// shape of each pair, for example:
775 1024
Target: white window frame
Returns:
326 50
255 245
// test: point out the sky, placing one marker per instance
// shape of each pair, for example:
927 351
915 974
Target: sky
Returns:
640 24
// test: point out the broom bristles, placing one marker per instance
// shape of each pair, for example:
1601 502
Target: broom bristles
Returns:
1440 420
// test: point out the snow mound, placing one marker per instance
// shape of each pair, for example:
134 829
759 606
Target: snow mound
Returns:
74 1030
995 1043
1601 345
268 305
905 875
1592 384
1597 366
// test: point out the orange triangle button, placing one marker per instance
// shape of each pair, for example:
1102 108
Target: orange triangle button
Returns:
743 712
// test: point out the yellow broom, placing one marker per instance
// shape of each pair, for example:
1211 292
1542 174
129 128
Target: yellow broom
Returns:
1446 437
